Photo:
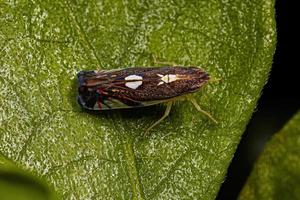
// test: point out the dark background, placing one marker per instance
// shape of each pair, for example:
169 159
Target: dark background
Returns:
279 101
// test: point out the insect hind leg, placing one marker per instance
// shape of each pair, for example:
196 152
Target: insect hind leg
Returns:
196 105
167 112
159 62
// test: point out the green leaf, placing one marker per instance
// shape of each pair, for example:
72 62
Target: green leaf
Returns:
83 155
19 185
276 174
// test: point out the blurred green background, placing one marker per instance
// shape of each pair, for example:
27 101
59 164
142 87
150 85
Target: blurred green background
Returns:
280 100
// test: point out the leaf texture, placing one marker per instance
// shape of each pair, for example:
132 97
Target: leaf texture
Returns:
43 44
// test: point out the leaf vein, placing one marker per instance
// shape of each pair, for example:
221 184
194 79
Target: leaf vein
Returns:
75 162
133 172
81 31
172 168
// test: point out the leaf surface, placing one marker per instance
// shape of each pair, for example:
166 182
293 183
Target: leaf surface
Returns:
17 184
276 174
105 156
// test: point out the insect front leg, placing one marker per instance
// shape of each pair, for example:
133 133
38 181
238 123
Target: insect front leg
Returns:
167 112
194 102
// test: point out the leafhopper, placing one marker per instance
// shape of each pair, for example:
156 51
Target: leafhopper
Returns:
140 87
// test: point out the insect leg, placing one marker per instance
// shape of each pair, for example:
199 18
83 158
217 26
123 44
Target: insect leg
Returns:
155 61
165 63
194 102
167 112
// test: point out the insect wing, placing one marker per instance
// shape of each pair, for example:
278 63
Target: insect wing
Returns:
136 87
97 90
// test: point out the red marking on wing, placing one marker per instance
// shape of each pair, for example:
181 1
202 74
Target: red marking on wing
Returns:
99 104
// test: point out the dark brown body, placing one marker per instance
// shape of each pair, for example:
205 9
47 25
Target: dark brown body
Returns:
132 87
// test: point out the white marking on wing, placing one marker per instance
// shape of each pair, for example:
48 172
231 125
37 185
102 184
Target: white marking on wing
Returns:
160 83
165 78
168 78
173 77
133 84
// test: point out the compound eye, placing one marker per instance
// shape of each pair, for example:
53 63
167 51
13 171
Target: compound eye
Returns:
81 90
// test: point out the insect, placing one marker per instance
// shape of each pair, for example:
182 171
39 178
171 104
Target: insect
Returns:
139 87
